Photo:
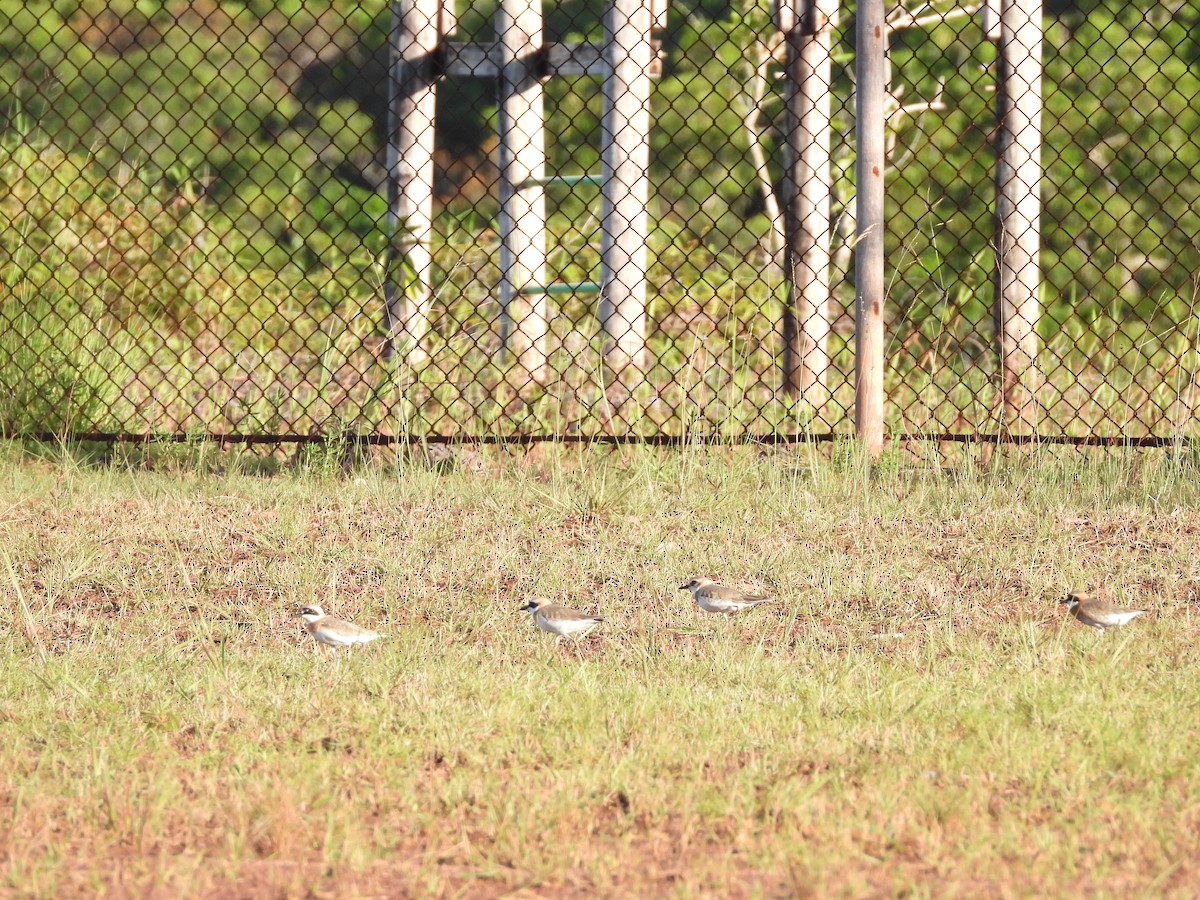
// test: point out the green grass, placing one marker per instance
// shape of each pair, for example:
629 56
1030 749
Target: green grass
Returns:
915 715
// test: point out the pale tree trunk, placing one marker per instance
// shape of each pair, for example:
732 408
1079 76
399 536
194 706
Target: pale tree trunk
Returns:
870 86
808 187
759 57
408 288
1018 207
625 160
521 134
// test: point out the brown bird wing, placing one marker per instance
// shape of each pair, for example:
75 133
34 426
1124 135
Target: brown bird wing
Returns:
1104 608
556 613
719 592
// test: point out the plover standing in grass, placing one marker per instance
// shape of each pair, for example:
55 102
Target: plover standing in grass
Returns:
712 597
1098 614
558 620
335 633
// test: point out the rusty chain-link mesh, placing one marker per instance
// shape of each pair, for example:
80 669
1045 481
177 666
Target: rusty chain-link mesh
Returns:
231 217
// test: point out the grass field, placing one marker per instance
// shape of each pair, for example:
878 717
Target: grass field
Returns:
915 715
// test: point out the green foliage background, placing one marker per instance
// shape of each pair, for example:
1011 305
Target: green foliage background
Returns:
265 121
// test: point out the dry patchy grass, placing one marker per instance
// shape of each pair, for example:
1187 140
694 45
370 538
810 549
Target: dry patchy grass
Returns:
914 716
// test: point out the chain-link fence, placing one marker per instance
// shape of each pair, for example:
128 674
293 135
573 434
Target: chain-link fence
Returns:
600 217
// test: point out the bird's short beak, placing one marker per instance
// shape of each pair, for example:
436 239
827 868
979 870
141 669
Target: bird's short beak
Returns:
526 608
683 587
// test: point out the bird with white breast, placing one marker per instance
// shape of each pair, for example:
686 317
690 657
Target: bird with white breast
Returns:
335 633
1097 613
714 598
559 620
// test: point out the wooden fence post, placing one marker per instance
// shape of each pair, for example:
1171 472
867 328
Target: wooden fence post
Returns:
1016 306
521 133
625 159
870 84
408 288
807 26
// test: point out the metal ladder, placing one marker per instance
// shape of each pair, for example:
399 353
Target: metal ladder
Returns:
562 289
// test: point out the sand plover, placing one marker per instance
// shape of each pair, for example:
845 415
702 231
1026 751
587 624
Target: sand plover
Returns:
335 633
712 597
1098 614
558 620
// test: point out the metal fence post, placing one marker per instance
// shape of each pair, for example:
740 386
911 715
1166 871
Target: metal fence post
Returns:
871 82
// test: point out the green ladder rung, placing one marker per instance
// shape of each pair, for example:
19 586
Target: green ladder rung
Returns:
586 287
570 180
